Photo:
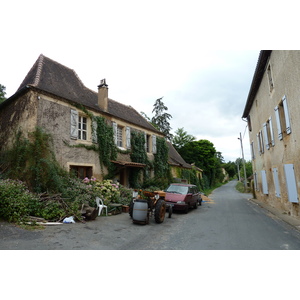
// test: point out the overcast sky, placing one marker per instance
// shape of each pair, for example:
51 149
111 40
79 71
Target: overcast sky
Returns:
193 55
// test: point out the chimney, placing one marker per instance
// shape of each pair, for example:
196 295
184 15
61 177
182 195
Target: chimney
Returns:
103 95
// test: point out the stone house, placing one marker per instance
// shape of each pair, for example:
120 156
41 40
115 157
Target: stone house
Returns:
53 97
272 111
178 165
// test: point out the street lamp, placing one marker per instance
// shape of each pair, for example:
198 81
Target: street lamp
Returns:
245 175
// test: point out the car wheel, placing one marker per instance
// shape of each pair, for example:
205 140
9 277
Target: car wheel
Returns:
170 211
196 205
200 201
186 210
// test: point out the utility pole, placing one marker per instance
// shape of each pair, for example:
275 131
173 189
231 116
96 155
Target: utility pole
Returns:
245 175
238 168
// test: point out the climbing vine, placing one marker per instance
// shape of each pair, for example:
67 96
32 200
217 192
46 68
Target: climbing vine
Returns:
161 165
139 155
107 149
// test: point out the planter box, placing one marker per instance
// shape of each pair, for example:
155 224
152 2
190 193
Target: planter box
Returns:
125 208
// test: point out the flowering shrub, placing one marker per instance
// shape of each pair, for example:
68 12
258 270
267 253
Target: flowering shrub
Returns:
106 189
16 202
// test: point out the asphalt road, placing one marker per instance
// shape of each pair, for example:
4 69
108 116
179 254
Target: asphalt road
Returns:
229 221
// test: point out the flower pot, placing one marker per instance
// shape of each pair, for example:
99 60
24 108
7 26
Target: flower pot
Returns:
125 208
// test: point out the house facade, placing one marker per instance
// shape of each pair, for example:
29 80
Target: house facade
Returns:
53 97
272 111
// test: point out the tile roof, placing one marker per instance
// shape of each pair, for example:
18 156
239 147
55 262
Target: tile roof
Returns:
176 159
257 78
52 77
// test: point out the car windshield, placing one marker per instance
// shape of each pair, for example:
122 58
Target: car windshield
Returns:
178 189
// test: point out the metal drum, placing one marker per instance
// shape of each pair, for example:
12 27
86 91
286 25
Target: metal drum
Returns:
140 211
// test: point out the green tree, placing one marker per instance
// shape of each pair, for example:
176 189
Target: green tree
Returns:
248 166
181 138
161 118
2 93
230 168
205 156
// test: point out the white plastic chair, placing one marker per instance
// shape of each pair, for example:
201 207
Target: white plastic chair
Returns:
100 205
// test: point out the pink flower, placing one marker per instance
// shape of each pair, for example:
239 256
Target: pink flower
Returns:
86 180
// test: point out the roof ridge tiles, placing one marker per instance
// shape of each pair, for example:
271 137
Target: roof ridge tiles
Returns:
39 70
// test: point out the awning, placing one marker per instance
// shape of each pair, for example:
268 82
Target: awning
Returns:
128 164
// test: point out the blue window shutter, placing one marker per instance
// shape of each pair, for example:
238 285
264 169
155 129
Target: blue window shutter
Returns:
291 183
286 115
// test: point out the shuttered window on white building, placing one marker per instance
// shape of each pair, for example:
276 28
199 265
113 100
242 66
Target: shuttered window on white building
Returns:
264 182
276 182
291 185
282 118
255 181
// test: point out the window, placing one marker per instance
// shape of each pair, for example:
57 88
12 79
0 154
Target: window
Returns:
147 137
268 133
119 136
82 133
82 171
270 77
78 126
260 143
282 118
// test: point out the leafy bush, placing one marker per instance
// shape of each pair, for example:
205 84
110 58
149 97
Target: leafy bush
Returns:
16 202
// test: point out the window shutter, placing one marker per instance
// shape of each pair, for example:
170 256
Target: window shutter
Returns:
128 143
74 124
276 182
271 132
154 144
291 182
145 135
261 142
278 122
286 115
255 181
258 143
252 150
115 130
264 182
94 131
266 136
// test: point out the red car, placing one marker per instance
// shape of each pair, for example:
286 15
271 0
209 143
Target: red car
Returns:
182 196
